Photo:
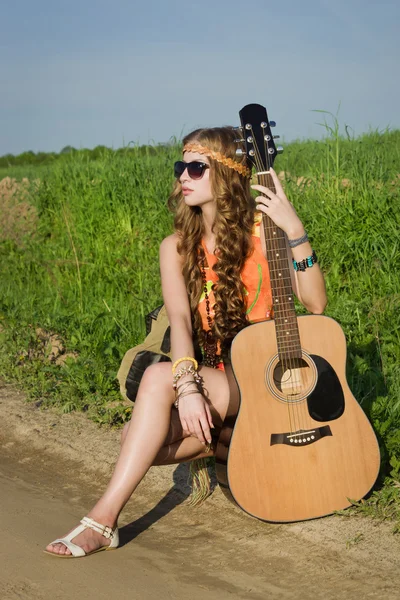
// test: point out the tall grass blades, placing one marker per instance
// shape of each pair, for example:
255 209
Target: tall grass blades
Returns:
87 268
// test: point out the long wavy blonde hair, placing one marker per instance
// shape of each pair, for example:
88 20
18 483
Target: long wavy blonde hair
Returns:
232 227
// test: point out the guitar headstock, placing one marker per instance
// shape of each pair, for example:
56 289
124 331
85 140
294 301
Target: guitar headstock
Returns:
257 137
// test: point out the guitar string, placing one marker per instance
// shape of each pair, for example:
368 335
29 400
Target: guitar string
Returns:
271 229
288 344
285 344
268 238
281 309
262 180
296 374
299 369
299 373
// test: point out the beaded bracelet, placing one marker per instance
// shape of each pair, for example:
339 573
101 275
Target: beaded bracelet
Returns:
185 371
306 262
177 362
298 241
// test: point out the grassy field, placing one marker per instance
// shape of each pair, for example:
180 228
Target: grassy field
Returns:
84 267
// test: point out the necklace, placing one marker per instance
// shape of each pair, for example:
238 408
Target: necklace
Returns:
211 359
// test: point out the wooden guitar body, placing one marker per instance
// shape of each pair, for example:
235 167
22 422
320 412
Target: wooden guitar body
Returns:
299 446
295 443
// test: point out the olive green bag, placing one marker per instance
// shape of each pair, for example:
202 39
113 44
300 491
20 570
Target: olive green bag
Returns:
155 348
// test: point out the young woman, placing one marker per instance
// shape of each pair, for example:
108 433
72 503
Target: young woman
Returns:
210 268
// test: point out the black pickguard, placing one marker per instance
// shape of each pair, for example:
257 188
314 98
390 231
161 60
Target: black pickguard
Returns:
326 402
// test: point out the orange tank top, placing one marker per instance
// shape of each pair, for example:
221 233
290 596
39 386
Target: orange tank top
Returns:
255 277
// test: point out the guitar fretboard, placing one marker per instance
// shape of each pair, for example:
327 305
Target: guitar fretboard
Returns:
287 331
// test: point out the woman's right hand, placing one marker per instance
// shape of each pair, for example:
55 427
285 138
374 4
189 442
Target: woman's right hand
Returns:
195 416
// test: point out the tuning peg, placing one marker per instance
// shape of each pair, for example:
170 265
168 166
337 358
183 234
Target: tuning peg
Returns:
240 152
239 141
276 137
238 128
279 149
272 124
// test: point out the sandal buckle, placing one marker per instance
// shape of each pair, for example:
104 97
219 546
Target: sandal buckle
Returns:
104 530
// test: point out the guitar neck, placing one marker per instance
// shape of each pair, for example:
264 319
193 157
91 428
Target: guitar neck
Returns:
287 331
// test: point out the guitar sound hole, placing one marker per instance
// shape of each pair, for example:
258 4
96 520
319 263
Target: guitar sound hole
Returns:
293 379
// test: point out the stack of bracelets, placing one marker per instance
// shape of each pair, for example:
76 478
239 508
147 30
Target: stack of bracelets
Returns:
302 265
184 388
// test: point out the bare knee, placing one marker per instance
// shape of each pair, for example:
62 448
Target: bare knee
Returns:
156 383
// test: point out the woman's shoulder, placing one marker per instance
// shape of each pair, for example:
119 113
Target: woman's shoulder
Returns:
168 247
169 243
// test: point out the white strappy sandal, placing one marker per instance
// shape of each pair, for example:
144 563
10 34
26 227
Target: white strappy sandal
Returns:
77 551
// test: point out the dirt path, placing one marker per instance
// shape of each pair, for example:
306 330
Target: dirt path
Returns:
52 467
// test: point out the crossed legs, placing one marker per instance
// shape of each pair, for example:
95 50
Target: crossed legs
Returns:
154 436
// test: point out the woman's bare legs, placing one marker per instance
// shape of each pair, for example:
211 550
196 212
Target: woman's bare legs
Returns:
179 446
145 437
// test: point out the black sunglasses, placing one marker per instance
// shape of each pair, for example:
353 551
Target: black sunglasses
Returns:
195 169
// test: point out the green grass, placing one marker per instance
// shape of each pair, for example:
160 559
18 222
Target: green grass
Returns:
90 272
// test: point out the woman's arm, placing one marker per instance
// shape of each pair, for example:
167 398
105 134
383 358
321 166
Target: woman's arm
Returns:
194 411
176 299
308 285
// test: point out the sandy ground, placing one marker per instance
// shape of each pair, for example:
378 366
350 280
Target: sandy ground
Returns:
53 467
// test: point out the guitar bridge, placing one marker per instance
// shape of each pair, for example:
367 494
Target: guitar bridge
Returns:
302 437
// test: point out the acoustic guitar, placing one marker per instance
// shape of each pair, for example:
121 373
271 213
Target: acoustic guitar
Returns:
295 444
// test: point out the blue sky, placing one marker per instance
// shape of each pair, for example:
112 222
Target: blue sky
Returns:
91 72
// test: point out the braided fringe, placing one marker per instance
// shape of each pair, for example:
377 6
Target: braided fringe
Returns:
225 160
200 482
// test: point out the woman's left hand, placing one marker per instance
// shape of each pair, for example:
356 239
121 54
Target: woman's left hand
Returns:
279 209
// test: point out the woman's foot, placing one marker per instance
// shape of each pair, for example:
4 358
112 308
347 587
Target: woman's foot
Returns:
88 539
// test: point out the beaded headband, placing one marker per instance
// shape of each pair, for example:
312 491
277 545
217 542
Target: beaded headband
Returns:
225 160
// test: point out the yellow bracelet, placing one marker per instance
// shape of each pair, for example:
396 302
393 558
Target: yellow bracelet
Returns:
177 362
